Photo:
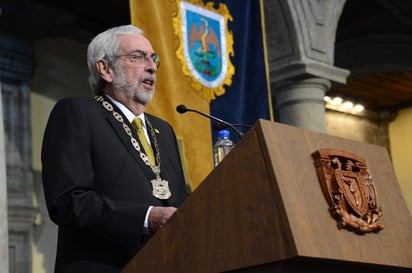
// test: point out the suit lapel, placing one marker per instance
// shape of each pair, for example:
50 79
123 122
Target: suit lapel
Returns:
125 139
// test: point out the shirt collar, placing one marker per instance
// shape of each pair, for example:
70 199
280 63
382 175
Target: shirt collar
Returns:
129 115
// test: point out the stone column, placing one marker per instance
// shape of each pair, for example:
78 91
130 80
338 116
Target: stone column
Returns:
17 153
300 38
300 103
4 241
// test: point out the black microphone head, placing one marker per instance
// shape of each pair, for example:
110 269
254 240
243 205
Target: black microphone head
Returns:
181 108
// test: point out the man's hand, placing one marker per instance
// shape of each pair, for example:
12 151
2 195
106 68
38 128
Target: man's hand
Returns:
158 217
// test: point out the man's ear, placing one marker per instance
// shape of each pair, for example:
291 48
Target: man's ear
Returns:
104 70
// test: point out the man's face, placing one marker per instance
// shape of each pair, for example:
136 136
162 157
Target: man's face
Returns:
135 68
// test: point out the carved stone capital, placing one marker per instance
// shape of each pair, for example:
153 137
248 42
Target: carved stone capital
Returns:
301 37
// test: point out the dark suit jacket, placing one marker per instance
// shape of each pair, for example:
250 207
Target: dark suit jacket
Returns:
97 188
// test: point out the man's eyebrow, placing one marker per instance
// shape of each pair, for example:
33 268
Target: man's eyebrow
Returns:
138 51
143 52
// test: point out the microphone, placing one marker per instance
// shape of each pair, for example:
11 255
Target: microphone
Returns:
183 109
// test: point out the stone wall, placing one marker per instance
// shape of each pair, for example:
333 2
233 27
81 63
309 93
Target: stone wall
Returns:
370 128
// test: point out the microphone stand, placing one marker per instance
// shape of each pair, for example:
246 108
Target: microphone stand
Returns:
183 109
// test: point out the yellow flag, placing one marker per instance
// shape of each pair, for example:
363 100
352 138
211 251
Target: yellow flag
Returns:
173 88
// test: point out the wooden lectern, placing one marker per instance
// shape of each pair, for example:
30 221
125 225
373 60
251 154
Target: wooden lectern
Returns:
262 209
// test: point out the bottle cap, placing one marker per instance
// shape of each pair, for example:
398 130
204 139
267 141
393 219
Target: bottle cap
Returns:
223 133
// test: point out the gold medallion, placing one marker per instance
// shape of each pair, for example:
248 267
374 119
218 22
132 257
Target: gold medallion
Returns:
161 189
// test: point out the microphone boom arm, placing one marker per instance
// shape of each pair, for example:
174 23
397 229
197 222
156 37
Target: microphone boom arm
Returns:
182 109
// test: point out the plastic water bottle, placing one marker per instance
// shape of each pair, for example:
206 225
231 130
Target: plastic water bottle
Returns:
222 146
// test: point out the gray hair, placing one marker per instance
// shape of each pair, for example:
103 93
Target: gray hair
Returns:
104 47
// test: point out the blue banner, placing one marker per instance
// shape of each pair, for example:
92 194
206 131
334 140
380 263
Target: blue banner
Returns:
247 99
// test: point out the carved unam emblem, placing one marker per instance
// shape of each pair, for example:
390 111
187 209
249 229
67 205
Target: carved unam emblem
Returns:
348 187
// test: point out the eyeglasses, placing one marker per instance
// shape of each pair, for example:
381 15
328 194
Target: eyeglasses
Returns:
140 57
